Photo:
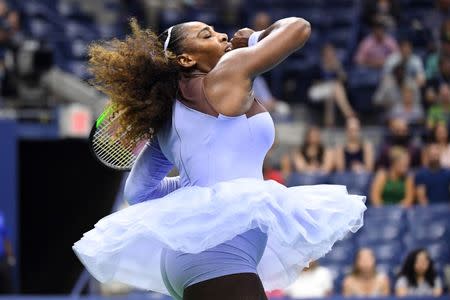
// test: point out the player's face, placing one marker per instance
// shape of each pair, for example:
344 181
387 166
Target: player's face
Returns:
203 45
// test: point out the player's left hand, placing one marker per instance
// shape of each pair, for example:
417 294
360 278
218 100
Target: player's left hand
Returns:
240 38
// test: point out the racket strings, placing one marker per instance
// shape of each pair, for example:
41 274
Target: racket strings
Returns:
113 152
110 149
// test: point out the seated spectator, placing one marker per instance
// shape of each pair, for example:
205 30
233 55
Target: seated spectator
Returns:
355 155
417 276
398 136
314 281
413 64
433 60
394 185
330 87
440 112
436 18
364 280
408 110
432 181
434 85
440 137
389 92
311 157
387 11
7 259
376 47
276 107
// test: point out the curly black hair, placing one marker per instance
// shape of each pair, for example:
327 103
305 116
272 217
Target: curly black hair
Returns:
409 272
139 77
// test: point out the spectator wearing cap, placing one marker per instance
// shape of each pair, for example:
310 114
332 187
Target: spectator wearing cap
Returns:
412 63
432 181
375 48
7 259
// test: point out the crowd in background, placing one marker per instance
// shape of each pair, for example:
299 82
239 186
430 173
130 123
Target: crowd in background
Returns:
394 75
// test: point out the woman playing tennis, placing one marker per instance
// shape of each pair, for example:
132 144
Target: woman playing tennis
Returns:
218 230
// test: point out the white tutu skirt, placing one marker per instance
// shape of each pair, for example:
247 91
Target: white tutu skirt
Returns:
302 224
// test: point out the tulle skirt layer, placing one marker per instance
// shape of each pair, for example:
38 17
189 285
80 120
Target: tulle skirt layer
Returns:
302 224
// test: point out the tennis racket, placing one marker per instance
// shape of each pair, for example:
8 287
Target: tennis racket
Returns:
107 145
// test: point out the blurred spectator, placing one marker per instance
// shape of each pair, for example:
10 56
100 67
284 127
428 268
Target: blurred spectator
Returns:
434 84
418 277
432 181
356 154
314 281
375 48
9 24
364 280
330 87
408 109
261 90
387 11
440 112
7 259
389 93
441 138
394 185
413 63
311 157
432 61
437 17
398 136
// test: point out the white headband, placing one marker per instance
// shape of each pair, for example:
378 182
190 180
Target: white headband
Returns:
167 41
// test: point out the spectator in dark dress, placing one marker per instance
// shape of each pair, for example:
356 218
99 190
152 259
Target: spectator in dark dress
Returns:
357 154
399 135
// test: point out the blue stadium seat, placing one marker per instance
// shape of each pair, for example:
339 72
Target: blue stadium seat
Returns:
342 253
78 68
39 28
306 179
440 251
79 49
379 232
74 30
389 253
392 213
356 183
431 231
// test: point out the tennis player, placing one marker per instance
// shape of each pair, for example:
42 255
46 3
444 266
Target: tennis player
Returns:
218 230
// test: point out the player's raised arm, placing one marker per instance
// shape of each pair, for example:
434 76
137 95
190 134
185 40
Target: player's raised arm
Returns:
240 66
